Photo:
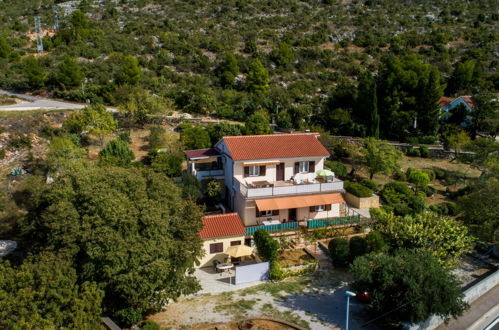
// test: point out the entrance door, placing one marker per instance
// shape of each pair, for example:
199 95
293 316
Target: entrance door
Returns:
292 215
279 172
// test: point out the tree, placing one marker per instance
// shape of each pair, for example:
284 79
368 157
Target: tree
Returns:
358 247
444 237
367 105
258 78
378 156
93 120
419 178
428 103
116 152
34 72
68 74
283 54
376 242
485 115
258 123
122 228
462 77
169 163
63 153
479 210
5 48
412 283
130 72
218 131
195 137
339 251
44 292
457 141
228 70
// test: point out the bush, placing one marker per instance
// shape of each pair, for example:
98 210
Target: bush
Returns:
358 247
445 208
357 189
370 184
117 153
439 173
399 175
431 174
125 137
412 152
429 191
339 250
169 163
425 152
275 271
376 242
267 246
417 203
338 168
427 139
127 317
150 325
2 154
20 142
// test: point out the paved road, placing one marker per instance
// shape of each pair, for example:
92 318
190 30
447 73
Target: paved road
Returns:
40 103
481 313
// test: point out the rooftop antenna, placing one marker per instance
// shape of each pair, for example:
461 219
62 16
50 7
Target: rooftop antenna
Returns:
38 29
56 17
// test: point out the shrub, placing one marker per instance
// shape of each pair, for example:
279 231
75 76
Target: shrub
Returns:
20 142
357 246
125 137
376 242
2 154
412 152
417 203
431 174
429 191
427 139
338 168
117 153
275 271
267 246
439 173
425 152
357 189
169 163
339 250
370 184
127 317
150 325
445 208
419 178
394 191
400 175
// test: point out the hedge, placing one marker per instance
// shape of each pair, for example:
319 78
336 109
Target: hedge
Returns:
357 189
339 250
338 168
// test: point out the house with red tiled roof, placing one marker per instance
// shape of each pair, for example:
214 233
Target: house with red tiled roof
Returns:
271 180
218 233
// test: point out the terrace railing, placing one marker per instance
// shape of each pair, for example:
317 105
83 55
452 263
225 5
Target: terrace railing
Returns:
351 219
282 226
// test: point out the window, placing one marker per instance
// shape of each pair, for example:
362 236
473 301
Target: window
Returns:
234 243
265 213
304 167
216 248
254 170
319 208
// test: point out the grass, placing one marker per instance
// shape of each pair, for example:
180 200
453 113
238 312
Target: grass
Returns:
270 311
290 285
238 308
25 113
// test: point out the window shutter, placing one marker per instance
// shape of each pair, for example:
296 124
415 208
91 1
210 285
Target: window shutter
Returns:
311 167
328 207
262 170
312 209
275 212
297 167
246 171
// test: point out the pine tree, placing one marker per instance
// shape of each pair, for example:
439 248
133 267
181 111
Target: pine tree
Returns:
258 78
34 72
5 48
68 73
428 111
130 73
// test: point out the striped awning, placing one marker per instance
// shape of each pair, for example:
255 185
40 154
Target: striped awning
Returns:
298 201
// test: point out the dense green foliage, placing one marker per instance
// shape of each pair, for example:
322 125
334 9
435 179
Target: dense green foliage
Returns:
357 189
121 228
411 282
339 251
44 292
358 247
401 199
445 238
267 246
116 152
338 168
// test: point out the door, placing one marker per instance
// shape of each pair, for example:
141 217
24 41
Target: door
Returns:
292 215
279 172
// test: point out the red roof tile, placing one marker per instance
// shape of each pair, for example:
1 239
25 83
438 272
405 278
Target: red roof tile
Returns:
222 225
201 153
444 101
274 146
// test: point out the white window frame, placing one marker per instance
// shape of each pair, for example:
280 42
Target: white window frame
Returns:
320 208
267 213
304 167
254 171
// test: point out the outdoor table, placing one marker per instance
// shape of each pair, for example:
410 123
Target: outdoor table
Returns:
262 184
271 222
225 266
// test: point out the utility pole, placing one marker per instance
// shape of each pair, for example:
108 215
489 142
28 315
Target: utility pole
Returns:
348 294
38 30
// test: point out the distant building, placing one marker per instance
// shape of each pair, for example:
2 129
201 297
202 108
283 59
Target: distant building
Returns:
448 104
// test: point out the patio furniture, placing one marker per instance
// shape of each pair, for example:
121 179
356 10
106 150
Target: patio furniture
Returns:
311 178
297 180
271 222
215 264
224 267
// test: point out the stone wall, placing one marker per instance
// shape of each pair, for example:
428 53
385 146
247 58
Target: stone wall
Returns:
362 202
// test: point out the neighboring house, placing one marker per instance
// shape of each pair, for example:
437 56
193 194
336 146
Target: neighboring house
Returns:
205 163
447 104
219 232
270 179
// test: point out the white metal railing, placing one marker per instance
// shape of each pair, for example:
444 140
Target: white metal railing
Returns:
204 174
295 189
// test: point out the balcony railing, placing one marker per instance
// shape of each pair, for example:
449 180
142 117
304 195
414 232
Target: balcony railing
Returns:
289 189
282 226
351 219
200 175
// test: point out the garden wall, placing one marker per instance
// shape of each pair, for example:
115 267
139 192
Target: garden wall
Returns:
362 202
252 273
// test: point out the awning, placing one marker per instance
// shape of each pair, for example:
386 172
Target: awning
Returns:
298 201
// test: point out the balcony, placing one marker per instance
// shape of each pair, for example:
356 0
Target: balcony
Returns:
282 188
206 174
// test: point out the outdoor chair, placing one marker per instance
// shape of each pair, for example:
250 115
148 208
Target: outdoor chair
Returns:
311 178
215 263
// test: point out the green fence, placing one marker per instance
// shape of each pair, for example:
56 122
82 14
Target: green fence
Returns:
334 221
282 226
